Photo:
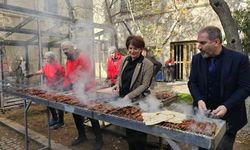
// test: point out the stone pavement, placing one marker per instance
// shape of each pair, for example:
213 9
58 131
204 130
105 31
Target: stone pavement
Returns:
177 86
12 137
11 140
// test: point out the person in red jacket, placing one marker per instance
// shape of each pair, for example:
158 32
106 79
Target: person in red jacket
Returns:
113 66
169 70
79 73
54 74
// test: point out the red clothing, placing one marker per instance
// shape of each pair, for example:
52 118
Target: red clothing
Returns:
113 68
169 62
54 74
79 70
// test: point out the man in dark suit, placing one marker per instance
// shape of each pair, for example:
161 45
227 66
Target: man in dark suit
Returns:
220 82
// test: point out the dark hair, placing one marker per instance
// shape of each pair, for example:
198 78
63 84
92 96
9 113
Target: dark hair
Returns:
136 41
213 32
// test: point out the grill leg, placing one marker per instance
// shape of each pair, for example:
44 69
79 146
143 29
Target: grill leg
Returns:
26 108
160 143
49 133
173 144
195 148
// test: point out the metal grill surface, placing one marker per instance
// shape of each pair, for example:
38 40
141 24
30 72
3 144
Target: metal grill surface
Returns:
188 137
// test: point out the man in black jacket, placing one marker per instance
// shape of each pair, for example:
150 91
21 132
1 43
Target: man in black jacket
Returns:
220 82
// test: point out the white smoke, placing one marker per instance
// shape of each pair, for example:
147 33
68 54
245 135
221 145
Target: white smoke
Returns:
79 86
82 37
120 102
150 104
193 113
182 108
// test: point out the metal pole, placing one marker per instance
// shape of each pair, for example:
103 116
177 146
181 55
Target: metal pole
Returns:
98 49
39 47
173 144
194 148
71 15
27 62
60 55
26 145
26 108
1 79
49 134
160 143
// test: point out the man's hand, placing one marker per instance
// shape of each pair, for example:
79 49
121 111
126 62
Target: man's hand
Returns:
126 97
202 106
115 89
29 75
220 111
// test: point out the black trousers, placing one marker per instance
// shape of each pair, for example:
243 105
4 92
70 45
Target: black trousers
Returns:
57 114
81 127
136 140
227 141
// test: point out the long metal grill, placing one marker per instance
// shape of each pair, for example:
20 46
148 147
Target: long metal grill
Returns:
98 108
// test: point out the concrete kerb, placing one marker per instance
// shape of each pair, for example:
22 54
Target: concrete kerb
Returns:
35 136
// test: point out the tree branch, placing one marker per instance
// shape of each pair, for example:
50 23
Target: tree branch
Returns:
230 27
171 31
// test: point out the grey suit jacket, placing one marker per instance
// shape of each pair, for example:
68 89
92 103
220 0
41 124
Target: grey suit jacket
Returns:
141 78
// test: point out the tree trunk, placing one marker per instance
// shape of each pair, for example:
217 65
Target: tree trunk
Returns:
230 27
108 7
247 127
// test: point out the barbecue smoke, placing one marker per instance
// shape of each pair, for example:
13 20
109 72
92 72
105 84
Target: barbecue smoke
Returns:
202 116
182 108
189 110
150 104
83 86
199 117
121 102
82 37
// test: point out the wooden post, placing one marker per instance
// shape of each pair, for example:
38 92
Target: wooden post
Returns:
1 80
185 61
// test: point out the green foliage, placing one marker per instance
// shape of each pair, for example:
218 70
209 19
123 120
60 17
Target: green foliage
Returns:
243 20
185 97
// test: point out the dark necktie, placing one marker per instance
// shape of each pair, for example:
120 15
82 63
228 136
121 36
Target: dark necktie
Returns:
212 66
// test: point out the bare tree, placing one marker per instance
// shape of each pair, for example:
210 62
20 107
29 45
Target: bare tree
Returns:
230 27
109 5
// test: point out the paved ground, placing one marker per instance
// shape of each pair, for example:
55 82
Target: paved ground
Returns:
36 140
177 86
11 140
